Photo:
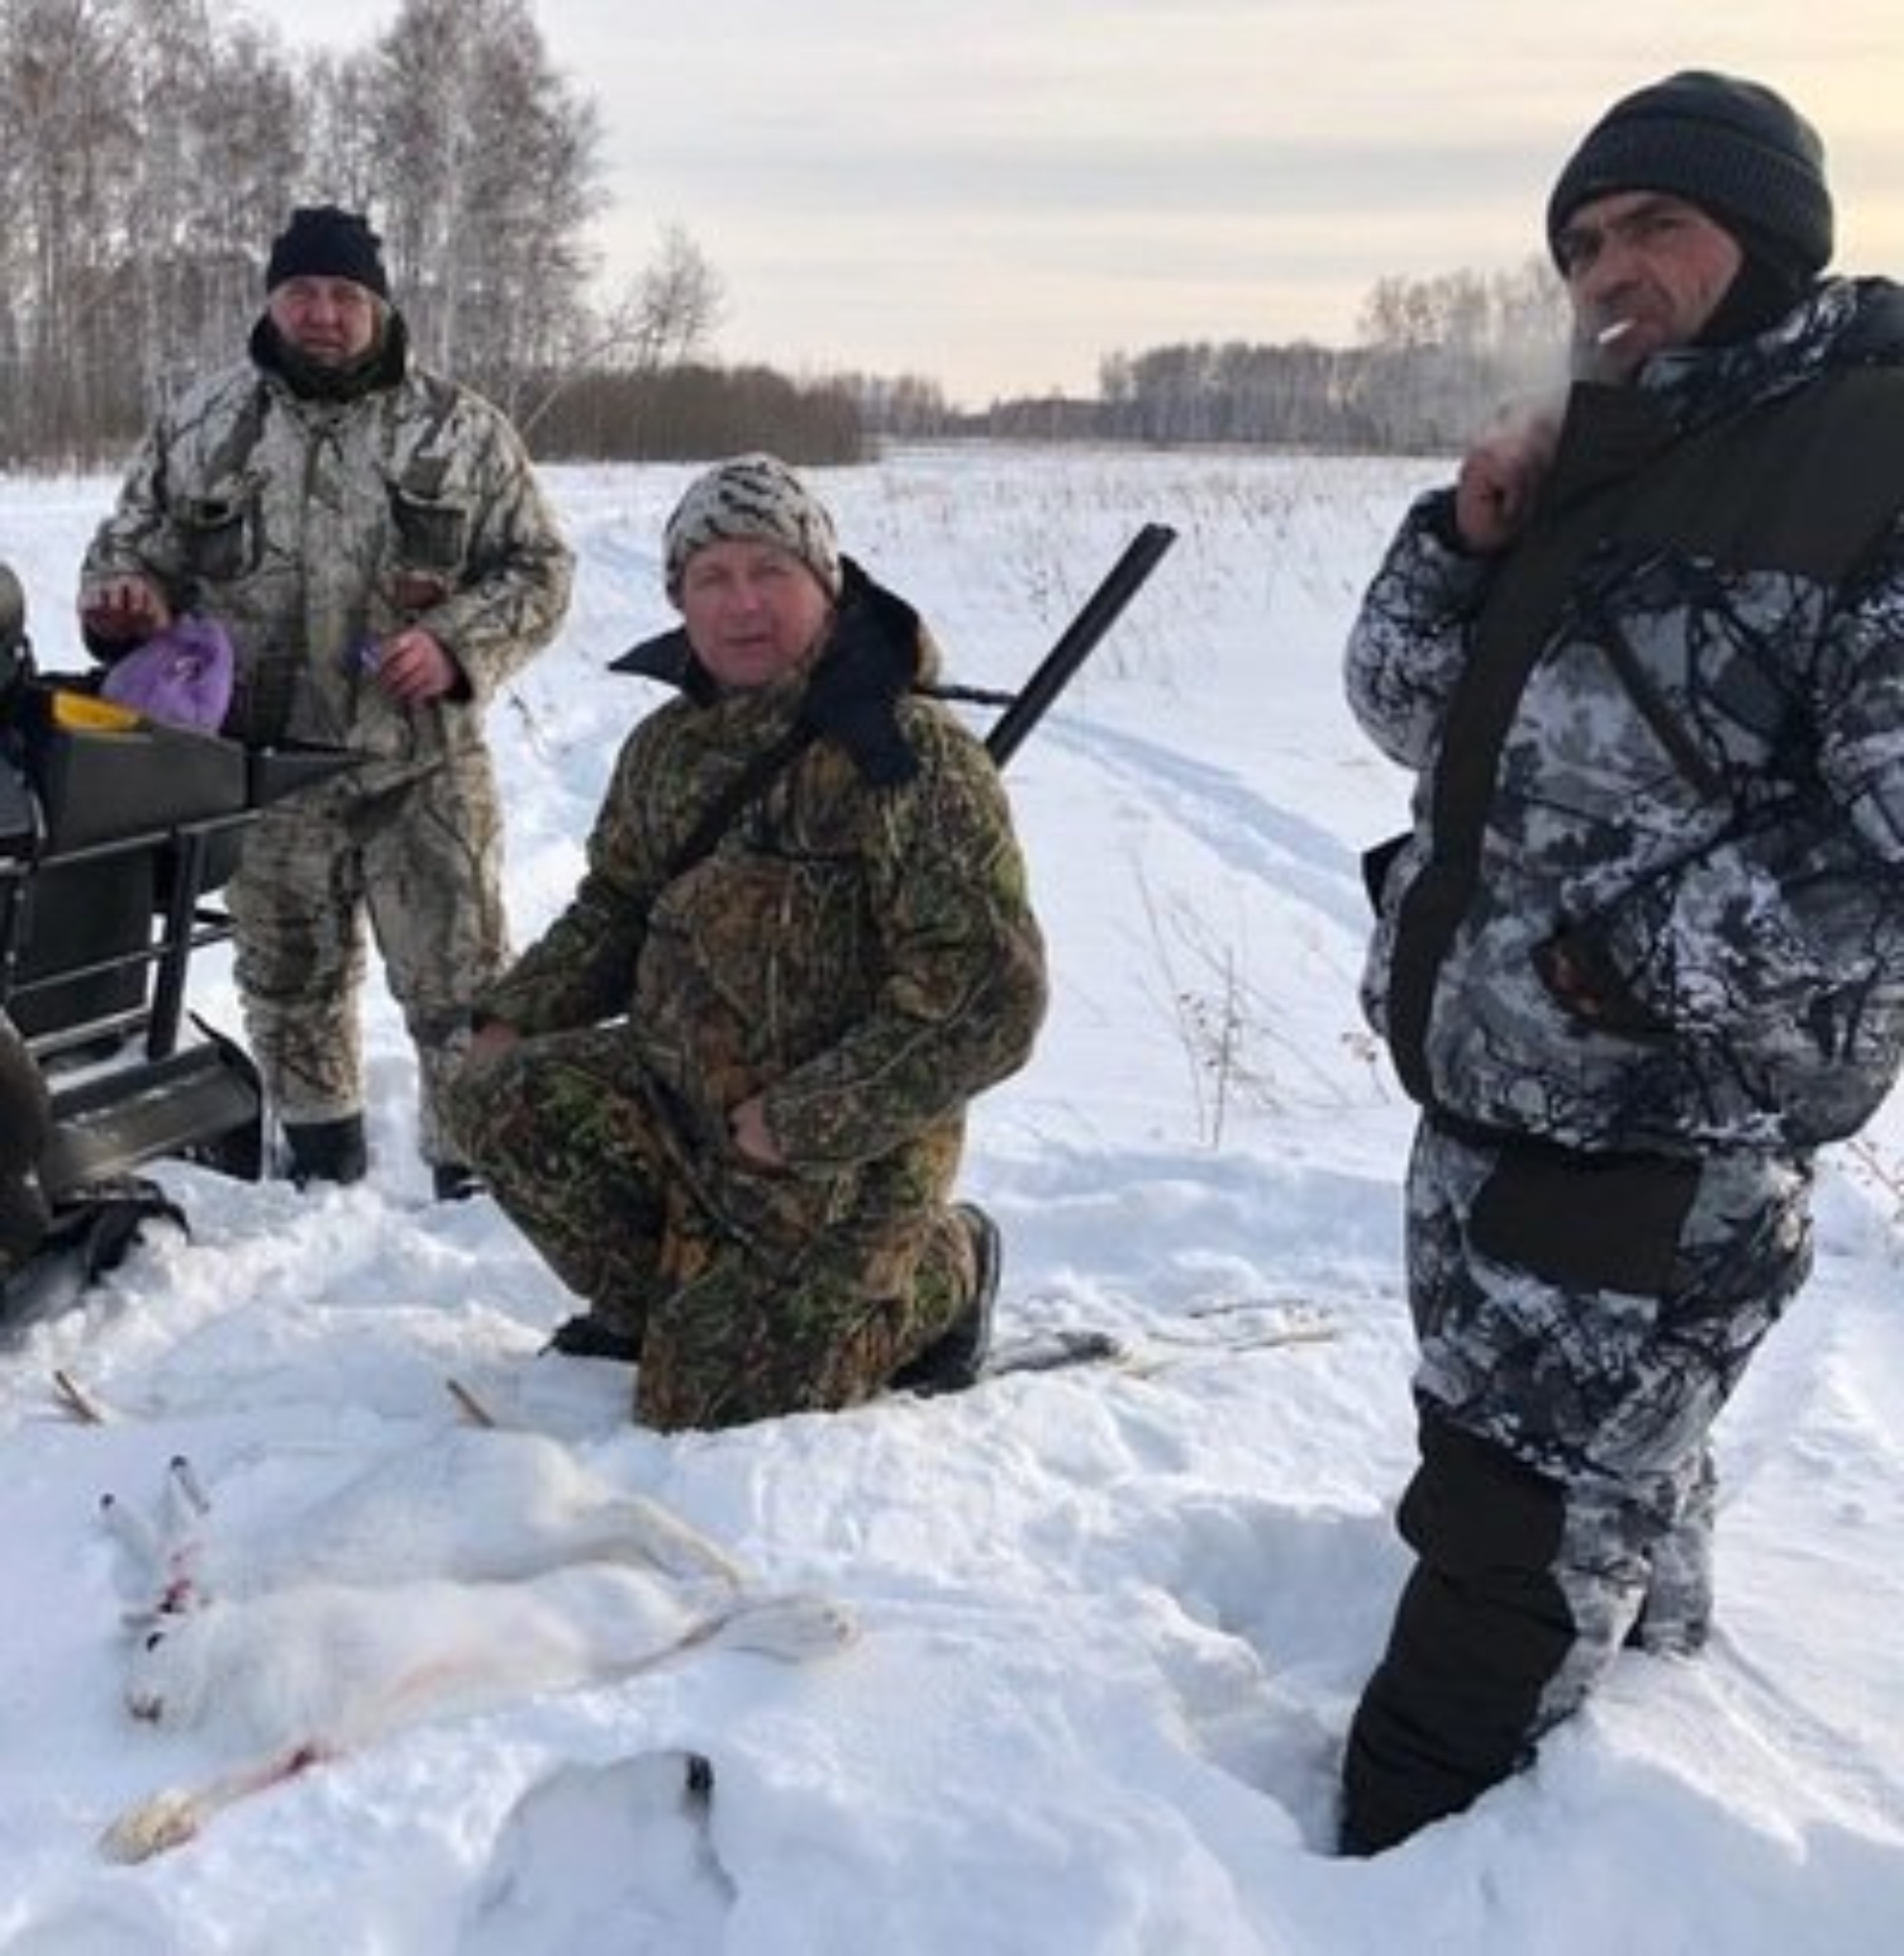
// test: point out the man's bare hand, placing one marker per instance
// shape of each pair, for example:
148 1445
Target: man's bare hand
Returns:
413 666
124 610
753 1139
490 1042
1500 478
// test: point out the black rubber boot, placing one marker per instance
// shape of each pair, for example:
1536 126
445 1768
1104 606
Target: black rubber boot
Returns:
327 1150
590 1336
954 1360
454 1181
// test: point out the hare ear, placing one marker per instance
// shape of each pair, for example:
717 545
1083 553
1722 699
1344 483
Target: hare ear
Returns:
136 1536
158 1549
186 1496
181 1543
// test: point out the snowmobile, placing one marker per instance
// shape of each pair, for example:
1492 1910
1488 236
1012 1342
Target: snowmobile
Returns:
115 833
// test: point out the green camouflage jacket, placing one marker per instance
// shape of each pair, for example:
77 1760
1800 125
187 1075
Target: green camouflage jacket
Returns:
861 950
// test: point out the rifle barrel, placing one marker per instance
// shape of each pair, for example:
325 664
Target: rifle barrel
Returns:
1098 614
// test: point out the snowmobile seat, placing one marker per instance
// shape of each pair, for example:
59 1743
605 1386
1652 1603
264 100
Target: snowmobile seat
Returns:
113 817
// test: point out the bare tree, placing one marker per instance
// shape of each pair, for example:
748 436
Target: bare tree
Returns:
134 146
1440 355
678 301
66 137
663 319
487 173
220 136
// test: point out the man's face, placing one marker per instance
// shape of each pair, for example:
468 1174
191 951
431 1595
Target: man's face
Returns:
1645 273
333 323
753 611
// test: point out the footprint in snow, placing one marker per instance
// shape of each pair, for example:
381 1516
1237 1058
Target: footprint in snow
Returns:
607 1857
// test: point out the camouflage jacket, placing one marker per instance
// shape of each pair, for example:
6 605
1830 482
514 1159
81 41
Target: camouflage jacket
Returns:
1662 738
858 943
311 526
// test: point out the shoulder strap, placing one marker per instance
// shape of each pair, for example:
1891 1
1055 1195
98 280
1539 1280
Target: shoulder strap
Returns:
746 786
235 446
1810 480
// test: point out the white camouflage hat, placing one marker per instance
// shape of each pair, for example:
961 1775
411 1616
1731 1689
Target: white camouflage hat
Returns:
755 496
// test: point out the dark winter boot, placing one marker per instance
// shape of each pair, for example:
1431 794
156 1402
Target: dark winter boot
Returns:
954 1360
454 1181
594 1336
327 1150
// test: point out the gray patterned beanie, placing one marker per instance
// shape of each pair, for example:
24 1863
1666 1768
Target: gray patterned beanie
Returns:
752 496
1734 149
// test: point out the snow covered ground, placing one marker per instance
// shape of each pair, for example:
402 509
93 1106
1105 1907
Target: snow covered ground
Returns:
1113 1619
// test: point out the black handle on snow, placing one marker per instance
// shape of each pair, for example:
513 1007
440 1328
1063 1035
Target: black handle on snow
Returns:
1100 612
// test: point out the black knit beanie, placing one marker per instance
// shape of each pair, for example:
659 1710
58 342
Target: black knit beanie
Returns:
324 242
1734 149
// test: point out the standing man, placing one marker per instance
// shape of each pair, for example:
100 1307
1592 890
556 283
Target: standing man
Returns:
725 1094
1643 949
372 539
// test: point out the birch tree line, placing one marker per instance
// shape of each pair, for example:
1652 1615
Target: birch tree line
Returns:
149 149
1434 359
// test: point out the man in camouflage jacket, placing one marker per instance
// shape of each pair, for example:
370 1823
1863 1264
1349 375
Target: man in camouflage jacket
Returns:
725 1094
1643 949
373 543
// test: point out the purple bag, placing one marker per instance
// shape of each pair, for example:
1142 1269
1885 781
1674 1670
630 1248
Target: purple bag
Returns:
180 676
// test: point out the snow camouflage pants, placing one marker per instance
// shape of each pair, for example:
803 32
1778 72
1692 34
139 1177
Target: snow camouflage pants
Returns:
421 856
1581 1324
748 1294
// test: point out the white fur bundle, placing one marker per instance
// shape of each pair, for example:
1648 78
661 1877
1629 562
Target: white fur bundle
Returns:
468 1505
483 1569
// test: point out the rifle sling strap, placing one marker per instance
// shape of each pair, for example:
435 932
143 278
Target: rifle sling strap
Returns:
747 785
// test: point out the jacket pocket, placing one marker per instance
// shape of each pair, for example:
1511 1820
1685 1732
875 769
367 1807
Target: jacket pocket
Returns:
1585 1221
219 533
433 532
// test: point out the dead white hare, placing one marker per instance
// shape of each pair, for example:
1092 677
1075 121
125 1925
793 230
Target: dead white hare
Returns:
479 1569
468 1504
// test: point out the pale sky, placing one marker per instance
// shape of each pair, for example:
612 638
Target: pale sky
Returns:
995 193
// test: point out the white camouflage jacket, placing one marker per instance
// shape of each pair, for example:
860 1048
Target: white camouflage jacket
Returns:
311 526
1665 736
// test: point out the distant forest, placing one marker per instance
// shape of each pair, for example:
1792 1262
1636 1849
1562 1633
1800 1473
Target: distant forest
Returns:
149 149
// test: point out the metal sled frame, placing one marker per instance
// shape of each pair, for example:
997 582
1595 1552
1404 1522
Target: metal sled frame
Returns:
148 1096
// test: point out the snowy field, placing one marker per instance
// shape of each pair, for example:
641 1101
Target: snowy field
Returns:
1113 1619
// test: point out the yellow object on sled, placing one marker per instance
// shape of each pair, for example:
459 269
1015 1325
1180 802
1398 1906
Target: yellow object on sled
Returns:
85 712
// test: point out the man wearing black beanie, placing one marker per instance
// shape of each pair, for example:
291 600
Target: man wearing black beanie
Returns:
372 538
1641 953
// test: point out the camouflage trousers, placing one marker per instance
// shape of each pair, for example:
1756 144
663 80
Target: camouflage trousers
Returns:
1581 1322
748 1294
417 858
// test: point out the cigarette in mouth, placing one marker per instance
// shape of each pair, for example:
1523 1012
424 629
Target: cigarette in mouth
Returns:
1617 331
